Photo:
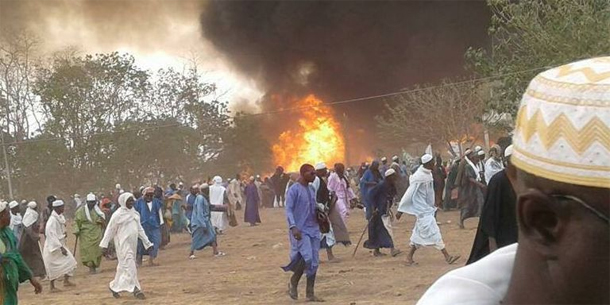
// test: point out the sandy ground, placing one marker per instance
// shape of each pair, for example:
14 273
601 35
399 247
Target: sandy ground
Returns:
251 274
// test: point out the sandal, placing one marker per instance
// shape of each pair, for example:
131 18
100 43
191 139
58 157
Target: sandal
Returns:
192 256
452 259
116 295
396 252
219 254
139 295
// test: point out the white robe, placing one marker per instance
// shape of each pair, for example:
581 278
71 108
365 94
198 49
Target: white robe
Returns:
484 282
16 225
125 228
57 264
217 195
235 193
418 200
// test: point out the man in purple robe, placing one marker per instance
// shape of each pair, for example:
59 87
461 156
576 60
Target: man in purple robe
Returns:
304 233
252 201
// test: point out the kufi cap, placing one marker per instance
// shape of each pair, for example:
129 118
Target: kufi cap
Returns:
320 165
508 151
117 186
478 148
180 183
148 190
76 196
204 186
384 159
467 152
426 158
390 172
395 158
58 203
13 204
91 197
217 179
481 153
32 205
251 178
563 123
3 205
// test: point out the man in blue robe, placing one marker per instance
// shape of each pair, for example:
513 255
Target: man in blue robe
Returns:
190 201
371 178
381 198
151 218
304 233
203 233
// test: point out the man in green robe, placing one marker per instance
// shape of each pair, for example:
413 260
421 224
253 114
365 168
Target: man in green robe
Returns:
13 270
89 222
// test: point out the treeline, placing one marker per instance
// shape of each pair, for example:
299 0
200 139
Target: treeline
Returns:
77 123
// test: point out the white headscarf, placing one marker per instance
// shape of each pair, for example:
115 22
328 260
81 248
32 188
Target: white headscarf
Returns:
123 214
97 210
30 216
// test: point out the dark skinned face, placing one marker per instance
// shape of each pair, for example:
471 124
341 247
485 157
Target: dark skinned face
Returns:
90 204
5 218
148 197
309 175
129 203
59 210
194 191
322 172
429 165
15 210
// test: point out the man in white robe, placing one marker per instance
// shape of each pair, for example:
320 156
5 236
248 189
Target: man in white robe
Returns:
16 220
125 229
58 260
419 202
235 194
218 194
493 165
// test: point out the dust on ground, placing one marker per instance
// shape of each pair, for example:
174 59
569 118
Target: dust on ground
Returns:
251 274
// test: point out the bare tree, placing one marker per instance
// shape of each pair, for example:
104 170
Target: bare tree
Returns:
443 114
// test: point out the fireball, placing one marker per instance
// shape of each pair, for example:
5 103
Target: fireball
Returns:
316 137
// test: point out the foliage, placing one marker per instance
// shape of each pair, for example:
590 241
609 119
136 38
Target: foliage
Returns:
533 35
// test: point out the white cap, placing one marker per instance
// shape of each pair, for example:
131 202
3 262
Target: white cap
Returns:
481 153
426 158
76 196
13 204
395 158
384 159
32 205
390 172
477 148
91 197
508 151
117 186
58 203
320 165
204 186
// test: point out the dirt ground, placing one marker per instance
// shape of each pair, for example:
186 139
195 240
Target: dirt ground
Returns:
251 274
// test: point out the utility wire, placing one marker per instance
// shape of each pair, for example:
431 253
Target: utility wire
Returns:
271 112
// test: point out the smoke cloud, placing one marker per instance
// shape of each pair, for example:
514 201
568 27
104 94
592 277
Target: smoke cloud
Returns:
345 49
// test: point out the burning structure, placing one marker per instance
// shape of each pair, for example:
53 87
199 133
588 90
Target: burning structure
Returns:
338 50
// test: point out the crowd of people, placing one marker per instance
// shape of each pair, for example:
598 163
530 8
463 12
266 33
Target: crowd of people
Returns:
555 180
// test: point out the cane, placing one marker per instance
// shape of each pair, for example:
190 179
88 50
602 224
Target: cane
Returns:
360 240
75 243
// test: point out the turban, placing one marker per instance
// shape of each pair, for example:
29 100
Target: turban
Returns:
563 123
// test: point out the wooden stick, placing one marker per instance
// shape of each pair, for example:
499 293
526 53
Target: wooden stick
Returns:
360 240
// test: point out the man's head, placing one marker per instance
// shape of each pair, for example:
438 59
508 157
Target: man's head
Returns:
308 173
194 189
390 176
481 155
427 161
321 170
5 215
339 169
50 200
58 206
395 159
172 186
180 185
91 200
204 189
384 160
14 206
559 170
238 177
375 165
148 194
126 200
279 170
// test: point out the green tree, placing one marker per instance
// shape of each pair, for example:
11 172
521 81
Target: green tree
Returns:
531 35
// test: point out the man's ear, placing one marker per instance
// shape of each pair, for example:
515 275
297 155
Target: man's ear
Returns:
540 223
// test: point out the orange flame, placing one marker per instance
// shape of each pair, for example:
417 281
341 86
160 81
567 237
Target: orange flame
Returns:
317 137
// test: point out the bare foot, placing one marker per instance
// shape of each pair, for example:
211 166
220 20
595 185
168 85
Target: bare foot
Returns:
452 259
411 263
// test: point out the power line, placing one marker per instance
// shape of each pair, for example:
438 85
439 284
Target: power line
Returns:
271 112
